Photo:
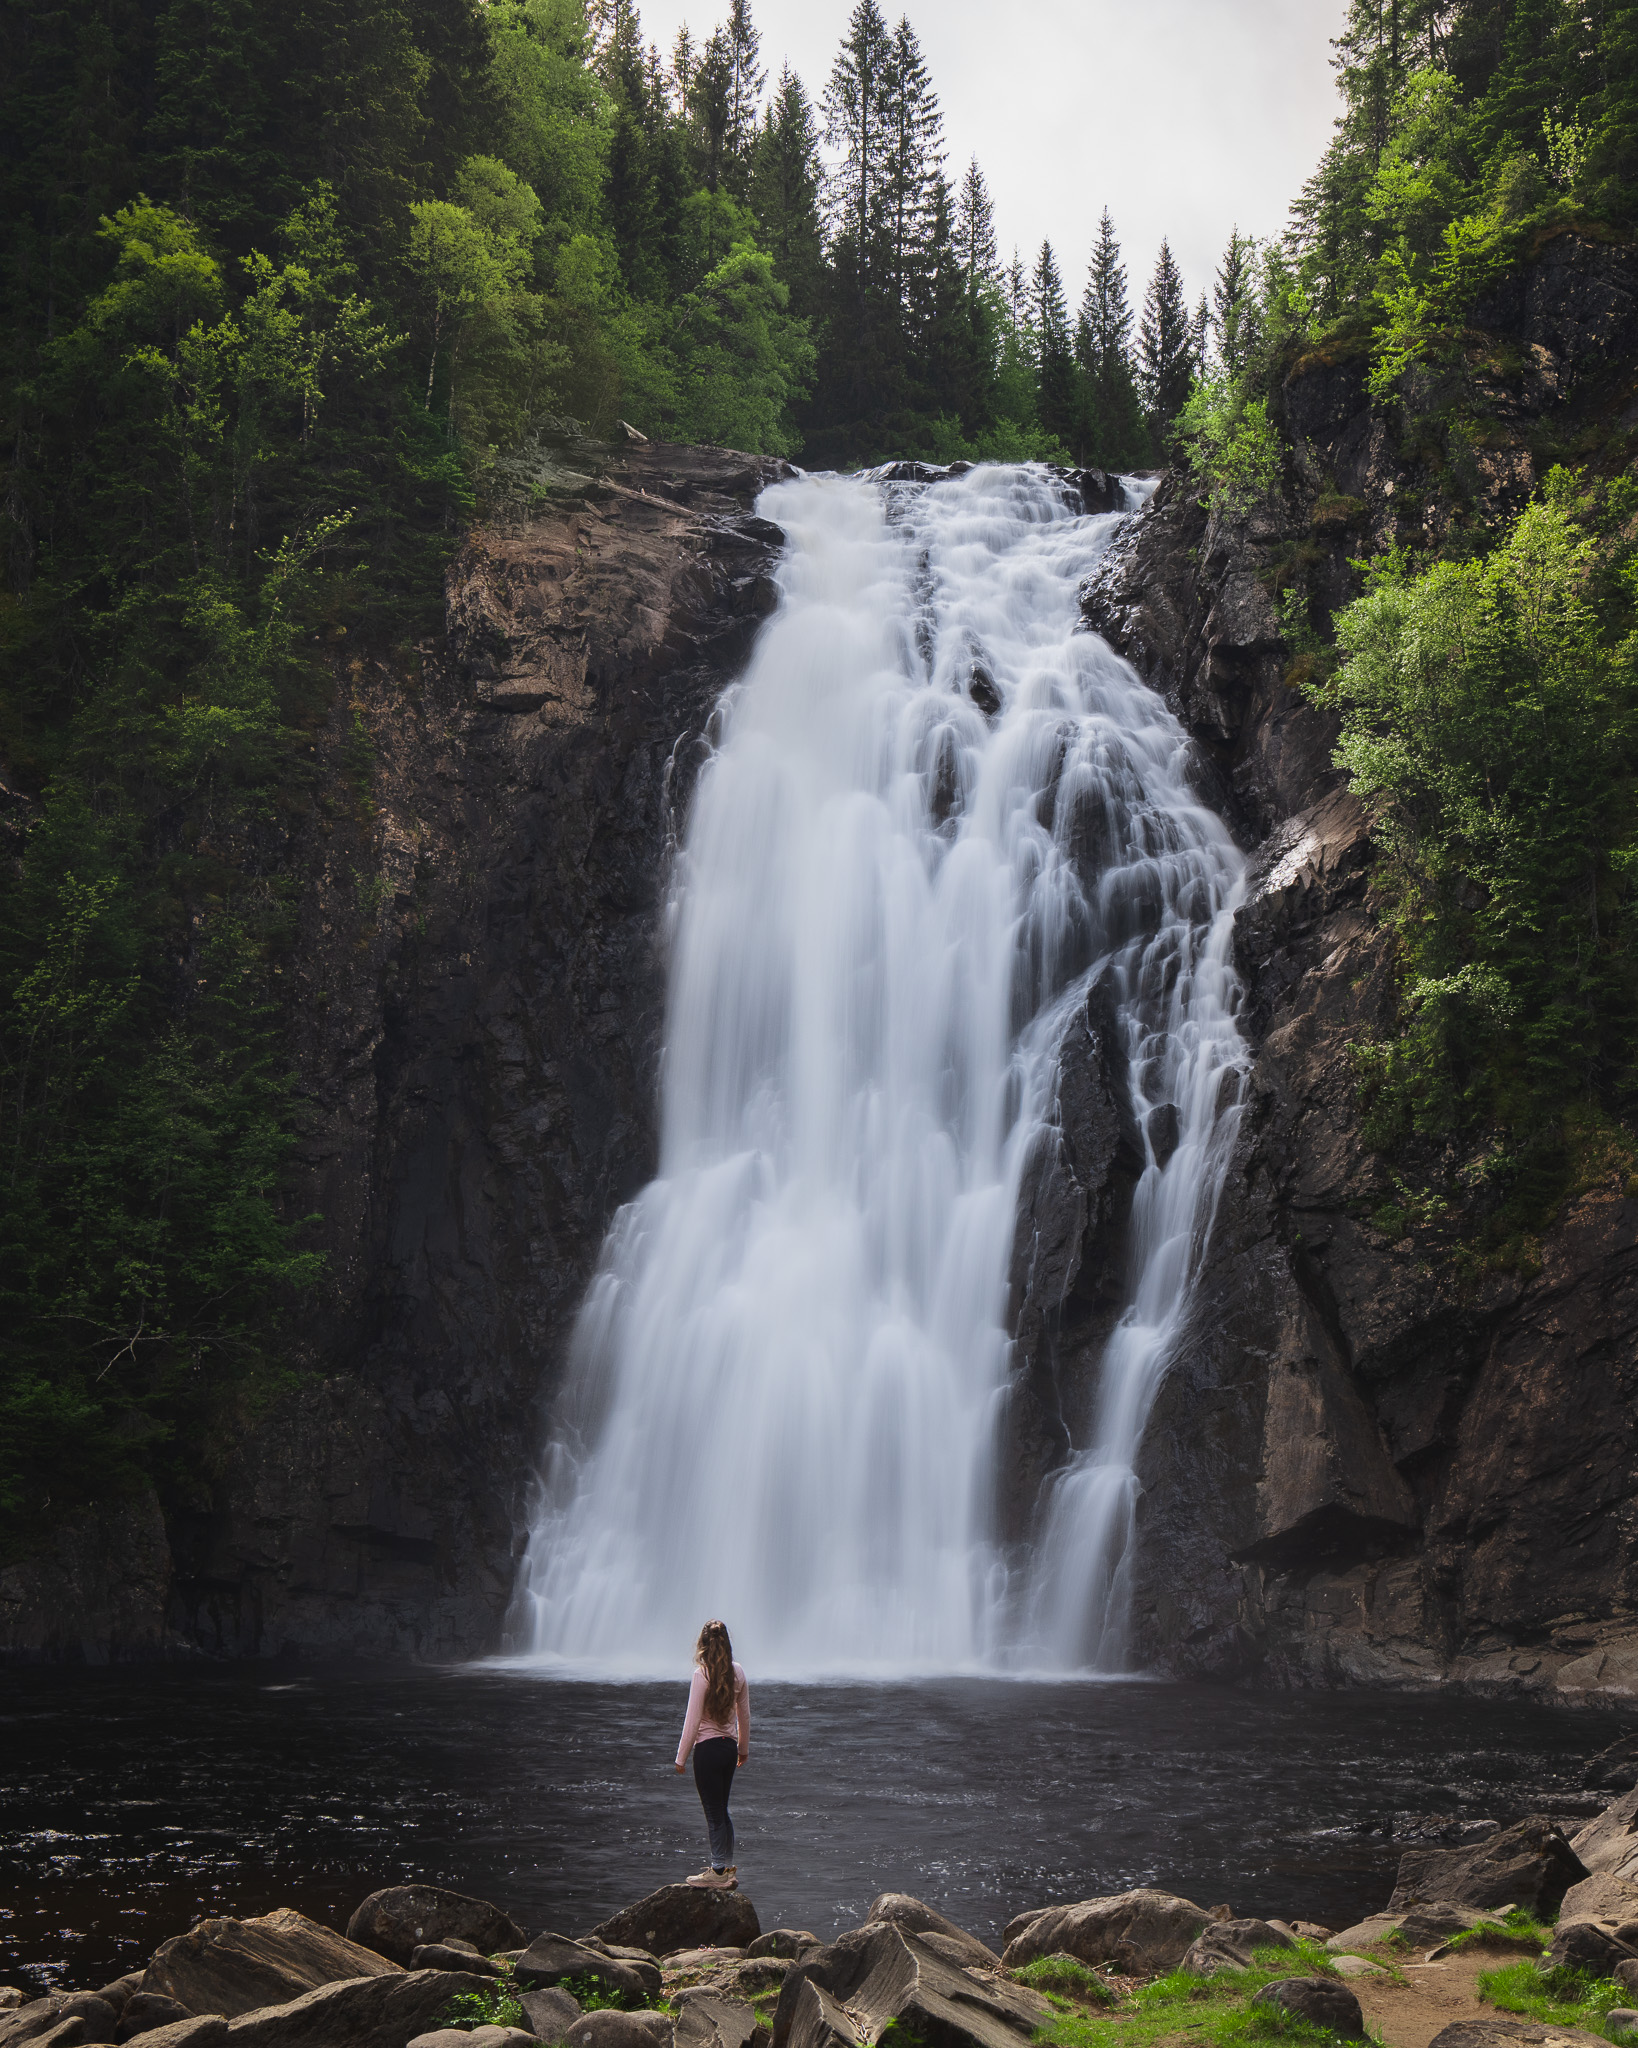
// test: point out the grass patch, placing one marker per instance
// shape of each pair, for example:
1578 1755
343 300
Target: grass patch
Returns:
1558 1997
1517 1930
497 2008
1064 1977
1215 2011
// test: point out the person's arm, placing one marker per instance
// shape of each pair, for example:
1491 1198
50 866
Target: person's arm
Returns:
744 1704
691 1727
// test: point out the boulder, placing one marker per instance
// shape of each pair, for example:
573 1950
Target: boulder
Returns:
1603 1896
880 1973
475 2037
551 1958
1232 1945
1621 2022
1425 1926
1499 2033
210 2030
1361 1935
615 2030
789 1942
1143 1932
705 2021
1610 1840
405 1917
147 2009
1590 1945
234 1966
363 2012
1317 2000
11 1997
1357 1966
551 2011
910 1913
33 2021
1626 1975
818 2021
98 2019
443 1955
684 1916
1614 1769
119 1992
1530 1864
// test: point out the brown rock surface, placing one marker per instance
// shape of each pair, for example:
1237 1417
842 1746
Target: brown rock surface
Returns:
1143 1932
233 1966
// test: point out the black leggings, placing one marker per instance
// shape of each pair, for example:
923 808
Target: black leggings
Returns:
715 1763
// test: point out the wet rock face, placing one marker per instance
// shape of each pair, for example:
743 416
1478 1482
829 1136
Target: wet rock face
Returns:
475 998
1361 1471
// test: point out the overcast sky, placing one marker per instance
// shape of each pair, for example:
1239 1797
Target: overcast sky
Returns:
1183 117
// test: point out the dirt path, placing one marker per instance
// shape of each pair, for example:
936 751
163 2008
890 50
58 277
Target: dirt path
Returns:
1432 1996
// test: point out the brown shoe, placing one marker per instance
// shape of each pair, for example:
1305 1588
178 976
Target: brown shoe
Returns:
707 1878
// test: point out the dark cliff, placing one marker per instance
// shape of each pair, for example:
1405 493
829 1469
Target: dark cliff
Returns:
475 1018
1366 1468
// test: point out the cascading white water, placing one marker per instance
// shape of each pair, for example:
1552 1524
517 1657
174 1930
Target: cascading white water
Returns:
788 1377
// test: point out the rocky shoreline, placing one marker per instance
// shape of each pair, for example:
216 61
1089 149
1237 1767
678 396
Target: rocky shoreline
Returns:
420 1966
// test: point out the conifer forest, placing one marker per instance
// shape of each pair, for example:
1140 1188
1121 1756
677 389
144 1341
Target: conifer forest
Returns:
285 283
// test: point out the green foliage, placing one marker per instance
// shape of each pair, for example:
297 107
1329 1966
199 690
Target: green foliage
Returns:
1519 1930
1231 445
1489 715
499 2007
1559 1997
1068 1978
595 1996
1216 2011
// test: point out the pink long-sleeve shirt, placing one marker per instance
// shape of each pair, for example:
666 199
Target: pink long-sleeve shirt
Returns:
698 1729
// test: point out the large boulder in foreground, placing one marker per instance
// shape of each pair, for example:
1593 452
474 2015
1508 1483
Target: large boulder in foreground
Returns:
1231 1945
1143 1933
1499 2033
1320 2001
1530 1864
234 1966
949 1939
365 2012
405 1917
684 1916
553 1958
880 1973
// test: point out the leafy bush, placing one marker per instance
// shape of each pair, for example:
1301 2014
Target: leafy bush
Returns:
471 2009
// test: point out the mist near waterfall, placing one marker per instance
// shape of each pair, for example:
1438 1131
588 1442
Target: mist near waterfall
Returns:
938 814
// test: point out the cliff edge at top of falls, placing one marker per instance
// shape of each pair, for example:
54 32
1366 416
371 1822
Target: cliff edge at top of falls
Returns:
1362 1470
475 1019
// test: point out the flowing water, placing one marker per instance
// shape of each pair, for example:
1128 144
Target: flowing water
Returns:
938 812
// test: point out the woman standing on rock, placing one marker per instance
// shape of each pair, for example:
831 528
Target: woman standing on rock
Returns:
718 1731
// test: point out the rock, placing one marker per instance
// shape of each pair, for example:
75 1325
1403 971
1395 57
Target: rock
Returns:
684 1916
11 1997
150 2008
475 2037
362 2012
120 1990
398 1921
32 2021
817 2021
784 1941
1318 2001
1621 2022
443 1955
981 688
1530 1864
910 1913
1603 1896
1377 1928
1424 1926
1310 1930
1590 1945
1614 1769
611 2030
1610 1842
1231 1945
552 1957
1501 2033
704 2021
881 1972
234 1966
694 1960
1357 1966
210 2030
1142 1932
551 2011
98 2018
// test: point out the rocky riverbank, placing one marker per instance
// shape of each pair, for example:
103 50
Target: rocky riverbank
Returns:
1523 1938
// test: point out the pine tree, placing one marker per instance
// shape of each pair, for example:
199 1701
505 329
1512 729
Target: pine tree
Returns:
746 79
1054 351
710 98
1233 322
857 102
784 192
1166 351
914 167
1110 428
684 57
975 232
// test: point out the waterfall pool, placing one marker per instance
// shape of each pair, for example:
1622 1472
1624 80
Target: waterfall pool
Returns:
135 1801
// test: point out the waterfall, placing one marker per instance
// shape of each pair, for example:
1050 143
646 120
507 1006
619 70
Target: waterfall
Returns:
788 1379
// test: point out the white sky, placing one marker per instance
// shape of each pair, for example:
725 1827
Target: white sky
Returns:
1184 117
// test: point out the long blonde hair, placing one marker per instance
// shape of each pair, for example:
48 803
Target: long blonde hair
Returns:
714 1654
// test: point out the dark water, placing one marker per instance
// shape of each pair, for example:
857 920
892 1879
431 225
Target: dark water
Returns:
131 1803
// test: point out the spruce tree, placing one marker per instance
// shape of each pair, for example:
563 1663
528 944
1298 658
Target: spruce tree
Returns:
914 165
784 192
1234 304
975 232
1054 352
1110 428
860 364
1166 351
746 79
710 98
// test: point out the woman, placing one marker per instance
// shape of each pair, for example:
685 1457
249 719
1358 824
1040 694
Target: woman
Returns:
718 1731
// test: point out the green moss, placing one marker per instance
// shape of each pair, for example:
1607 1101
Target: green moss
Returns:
1556 1997
1216 2011
1517 1930
1066 1977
